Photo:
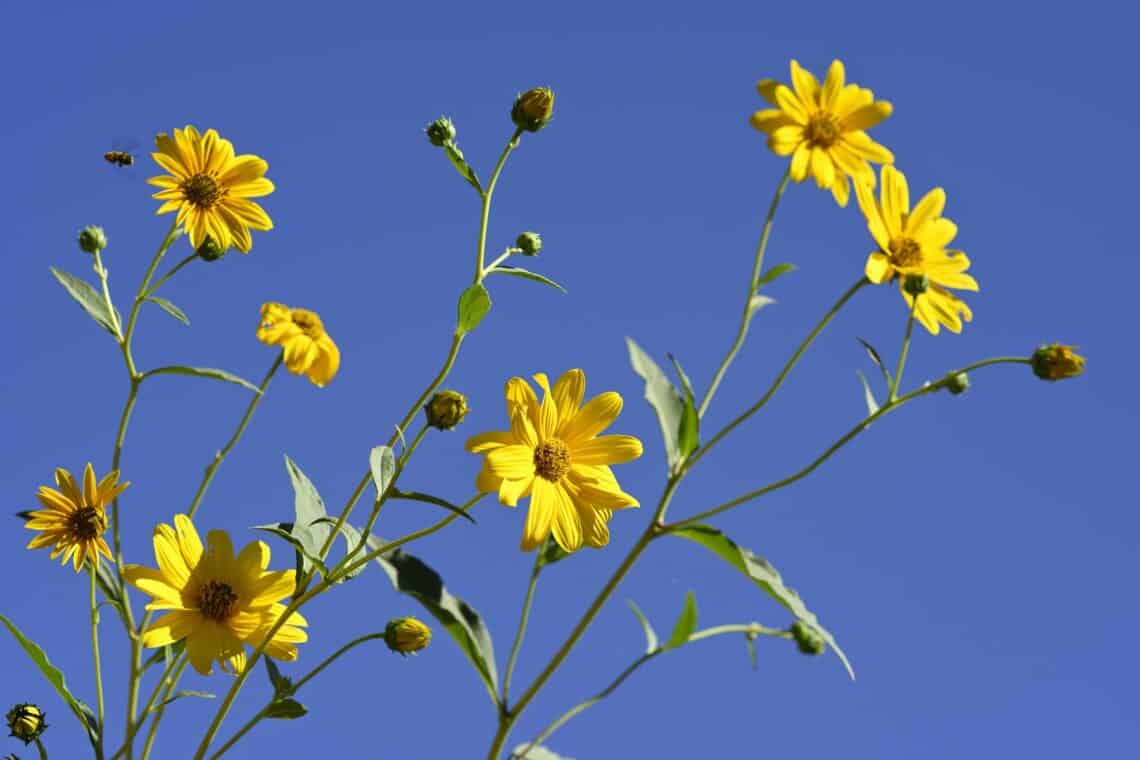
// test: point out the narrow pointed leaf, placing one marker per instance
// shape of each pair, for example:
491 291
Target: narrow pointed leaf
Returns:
760 572
455 155
685 625
868 396
187 693
207 372
285 709
382 462
86 296
651 640
308 509
351 539
758 302
534 752
528 275
429 499
689 428
662 396
170 309
779 270
878 360
282 685
288 532
473 306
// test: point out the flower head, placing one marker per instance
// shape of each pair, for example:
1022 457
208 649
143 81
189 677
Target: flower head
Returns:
309 350
552 454
823 128
406 635
210 188
807 638
215 600
1057 362
74 517
530 243
26 722
533 109
440 132
446 409
914 243
92 239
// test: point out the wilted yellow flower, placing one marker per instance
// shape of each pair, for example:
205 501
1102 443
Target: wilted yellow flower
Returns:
210 188
1057 362
26 722
309 350
552 454
914 243
824 128
406 635
73 520
216 601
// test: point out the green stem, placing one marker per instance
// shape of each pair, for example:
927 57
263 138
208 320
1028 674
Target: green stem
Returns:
220 456
249 724
511 145
97 662
158 688
160 710
524 617
746 317
903 351
41 749
803 347
170 273
101 273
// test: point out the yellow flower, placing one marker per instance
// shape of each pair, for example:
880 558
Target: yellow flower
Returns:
73 520
914 242
216 601
210 188
406 635
309 350
824 128
552 454
1057 361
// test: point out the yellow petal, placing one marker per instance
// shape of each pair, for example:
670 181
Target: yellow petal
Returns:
926 210
510 491
895 200
832 85
522 431
568 393
543 504
609 449
547 411
878 268
154 582
519 393
822 168
567 525
171 627
871 211
169 556
867 116
807 86
477 444
486 481
512 462
801 159
595 416
767 89
769 120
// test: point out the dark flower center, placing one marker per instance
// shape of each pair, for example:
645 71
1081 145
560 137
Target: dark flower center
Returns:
87 523
309 323
905 252
552 459
202 190
823 130
217 600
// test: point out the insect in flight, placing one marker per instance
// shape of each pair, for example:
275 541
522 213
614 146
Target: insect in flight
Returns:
119 158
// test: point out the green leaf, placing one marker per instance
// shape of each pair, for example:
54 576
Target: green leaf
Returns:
170 309
685 625
55 677
473 306
351 539
187 693
779 270
689 428
662 396
282 685
289 533
650 634
86 296
207 372
109 585
868 396
455 155
382 462
761 572
526 274
285 709
308 509
429 499
410 575
878 360
758 302
534 752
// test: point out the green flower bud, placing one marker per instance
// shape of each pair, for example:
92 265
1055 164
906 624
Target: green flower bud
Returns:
916 284
210 251
807 638
440 132
958 384
1057 362
26 722
92 239
529 242
406 635
446 409
533 109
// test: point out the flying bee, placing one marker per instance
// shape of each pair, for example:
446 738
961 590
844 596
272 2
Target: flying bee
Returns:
123 153
119 158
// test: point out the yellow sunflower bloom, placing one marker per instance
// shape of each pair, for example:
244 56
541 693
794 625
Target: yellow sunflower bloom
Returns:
823 128
218 602
552 454
73 520
309 350
210 188
914 242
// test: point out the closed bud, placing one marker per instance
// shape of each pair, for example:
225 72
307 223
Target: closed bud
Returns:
406 635
1057 362
92 239
446 409
916 284
26 722
807 638
533 109
530 243
210 251
440 132
959 383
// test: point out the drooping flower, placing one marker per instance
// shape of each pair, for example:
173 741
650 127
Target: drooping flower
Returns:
553 454
309 350
914 243
74 518
210 188
823 128
218 602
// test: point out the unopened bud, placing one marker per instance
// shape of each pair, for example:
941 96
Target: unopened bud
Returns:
440 132
807 638
406 635
446 409
959 383
210 251
916 284
26 722
530 243
1057 362
533 109
92 239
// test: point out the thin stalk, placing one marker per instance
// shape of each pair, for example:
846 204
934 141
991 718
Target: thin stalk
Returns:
524 617
746 317
249 724
101 273
511 145
220 456
170 273
160 710
903 351
98 663
803 347
333 657
158 688
40 748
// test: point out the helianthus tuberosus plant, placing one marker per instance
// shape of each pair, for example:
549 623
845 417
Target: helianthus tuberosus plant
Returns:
555 459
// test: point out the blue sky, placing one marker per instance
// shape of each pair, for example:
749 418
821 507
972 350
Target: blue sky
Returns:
972 554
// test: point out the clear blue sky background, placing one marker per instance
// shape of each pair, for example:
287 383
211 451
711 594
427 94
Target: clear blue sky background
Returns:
974 554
